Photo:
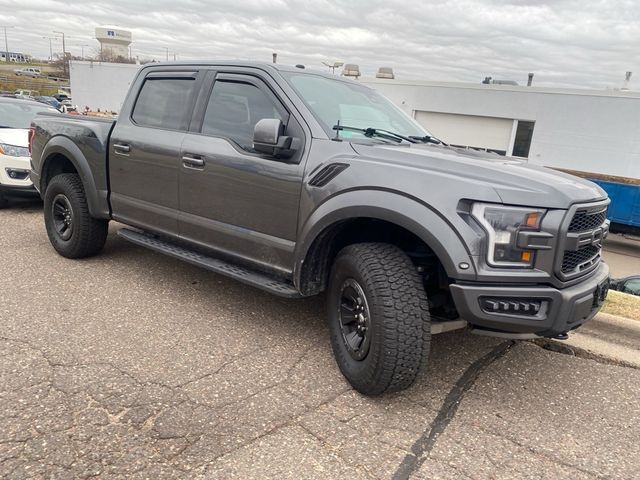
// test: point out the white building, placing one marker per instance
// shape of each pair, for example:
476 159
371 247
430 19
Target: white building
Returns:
114 41
596 131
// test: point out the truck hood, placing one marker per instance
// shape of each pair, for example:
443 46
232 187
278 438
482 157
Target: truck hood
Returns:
515 181
15 136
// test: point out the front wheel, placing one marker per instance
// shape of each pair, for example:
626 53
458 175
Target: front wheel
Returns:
378 318
72 231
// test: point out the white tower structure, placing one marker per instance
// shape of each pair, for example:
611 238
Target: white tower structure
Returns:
114 41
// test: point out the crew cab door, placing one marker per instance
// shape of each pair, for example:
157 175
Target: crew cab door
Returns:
144 150
232 199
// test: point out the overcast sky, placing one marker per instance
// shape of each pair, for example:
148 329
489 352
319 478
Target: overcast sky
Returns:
580 43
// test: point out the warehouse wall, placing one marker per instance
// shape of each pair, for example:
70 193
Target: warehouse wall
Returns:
587 130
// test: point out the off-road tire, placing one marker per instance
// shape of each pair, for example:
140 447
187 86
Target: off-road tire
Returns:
399 320
88 235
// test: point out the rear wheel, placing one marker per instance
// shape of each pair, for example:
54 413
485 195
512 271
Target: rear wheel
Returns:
71 229
378 318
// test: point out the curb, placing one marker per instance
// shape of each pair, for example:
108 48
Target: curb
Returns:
608 338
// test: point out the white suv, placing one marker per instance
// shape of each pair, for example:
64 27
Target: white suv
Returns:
15 159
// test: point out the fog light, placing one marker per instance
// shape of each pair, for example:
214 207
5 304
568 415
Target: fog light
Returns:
513 306
17 173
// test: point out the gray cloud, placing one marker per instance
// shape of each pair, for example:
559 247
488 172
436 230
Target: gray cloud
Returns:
565 42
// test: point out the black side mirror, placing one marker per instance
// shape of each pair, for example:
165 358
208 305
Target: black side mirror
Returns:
268 138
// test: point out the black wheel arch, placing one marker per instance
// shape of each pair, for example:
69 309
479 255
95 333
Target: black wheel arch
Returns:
61 155
325 230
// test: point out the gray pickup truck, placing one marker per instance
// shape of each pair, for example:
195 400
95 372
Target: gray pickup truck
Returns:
297 183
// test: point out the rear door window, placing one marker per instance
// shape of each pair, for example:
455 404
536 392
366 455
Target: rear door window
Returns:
164 103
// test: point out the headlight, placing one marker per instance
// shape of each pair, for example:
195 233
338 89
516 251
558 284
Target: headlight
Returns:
502 225
13 150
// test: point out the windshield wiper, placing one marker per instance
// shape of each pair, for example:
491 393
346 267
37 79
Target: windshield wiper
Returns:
428 139
372 132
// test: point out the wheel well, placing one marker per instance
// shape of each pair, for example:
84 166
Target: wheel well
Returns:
55 165
319 258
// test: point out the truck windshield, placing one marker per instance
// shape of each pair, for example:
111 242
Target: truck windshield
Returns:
351 104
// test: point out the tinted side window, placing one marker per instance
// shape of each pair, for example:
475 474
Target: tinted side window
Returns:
234 109
164 103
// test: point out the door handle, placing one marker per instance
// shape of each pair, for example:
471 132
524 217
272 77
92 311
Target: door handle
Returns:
121 148
190 161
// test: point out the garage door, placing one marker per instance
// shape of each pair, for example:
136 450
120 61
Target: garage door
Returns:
468 130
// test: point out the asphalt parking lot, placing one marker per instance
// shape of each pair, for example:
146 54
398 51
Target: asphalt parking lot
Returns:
134 365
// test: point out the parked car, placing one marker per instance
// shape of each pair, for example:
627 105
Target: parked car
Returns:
28 72
21 93
298 182
49 101
65 102
15 118
63 98
629 284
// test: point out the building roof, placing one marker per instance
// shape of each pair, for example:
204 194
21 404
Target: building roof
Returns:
507 88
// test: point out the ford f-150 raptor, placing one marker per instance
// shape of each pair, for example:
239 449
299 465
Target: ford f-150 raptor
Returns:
298 183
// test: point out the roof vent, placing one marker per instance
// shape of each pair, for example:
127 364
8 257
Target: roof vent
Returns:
385 72
351 70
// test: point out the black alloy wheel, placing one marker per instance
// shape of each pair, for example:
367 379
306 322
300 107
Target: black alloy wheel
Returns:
355 319
62 215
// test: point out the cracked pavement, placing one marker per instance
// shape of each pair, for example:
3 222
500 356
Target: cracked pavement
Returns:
134 365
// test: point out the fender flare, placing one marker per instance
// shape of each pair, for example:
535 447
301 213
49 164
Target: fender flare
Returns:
394 207
61 145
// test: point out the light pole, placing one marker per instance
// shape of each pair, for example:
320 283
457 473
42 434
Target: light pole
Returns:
50 46
82 50
64 54
166 48
6 44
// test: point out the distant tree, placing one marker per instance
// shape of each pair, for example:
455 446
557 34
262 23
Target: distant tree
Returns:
59 65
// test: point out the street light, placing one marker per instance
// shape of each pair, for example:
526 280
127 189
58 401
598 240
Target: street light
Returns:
50 46
64 53
6 44
82 50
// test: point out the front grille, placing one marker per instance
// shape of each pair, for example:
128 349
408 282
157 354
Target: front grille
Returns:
583 221
576 261
580 249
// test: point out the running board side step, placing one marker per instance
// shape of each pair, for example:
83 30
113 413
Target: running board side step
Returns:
242 274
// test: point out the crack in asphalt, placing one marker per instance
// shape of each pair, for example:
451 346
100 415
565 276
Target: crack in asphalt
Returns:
421 448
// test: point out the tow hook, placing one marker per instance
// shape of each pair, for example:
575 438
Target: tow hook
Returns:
562 336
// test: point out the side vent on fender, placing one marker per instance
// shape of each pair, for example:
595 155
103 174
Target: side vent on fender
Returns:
327 174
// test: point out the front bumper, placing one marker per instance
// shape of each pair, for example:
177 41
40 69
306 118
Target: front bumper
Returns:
14 171
562 309
19 191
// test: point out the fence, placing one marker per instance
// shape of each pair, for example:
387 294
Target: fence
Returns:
43 86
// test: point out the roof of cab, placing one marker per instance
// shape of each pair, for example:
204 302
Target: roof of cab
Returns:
266 66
